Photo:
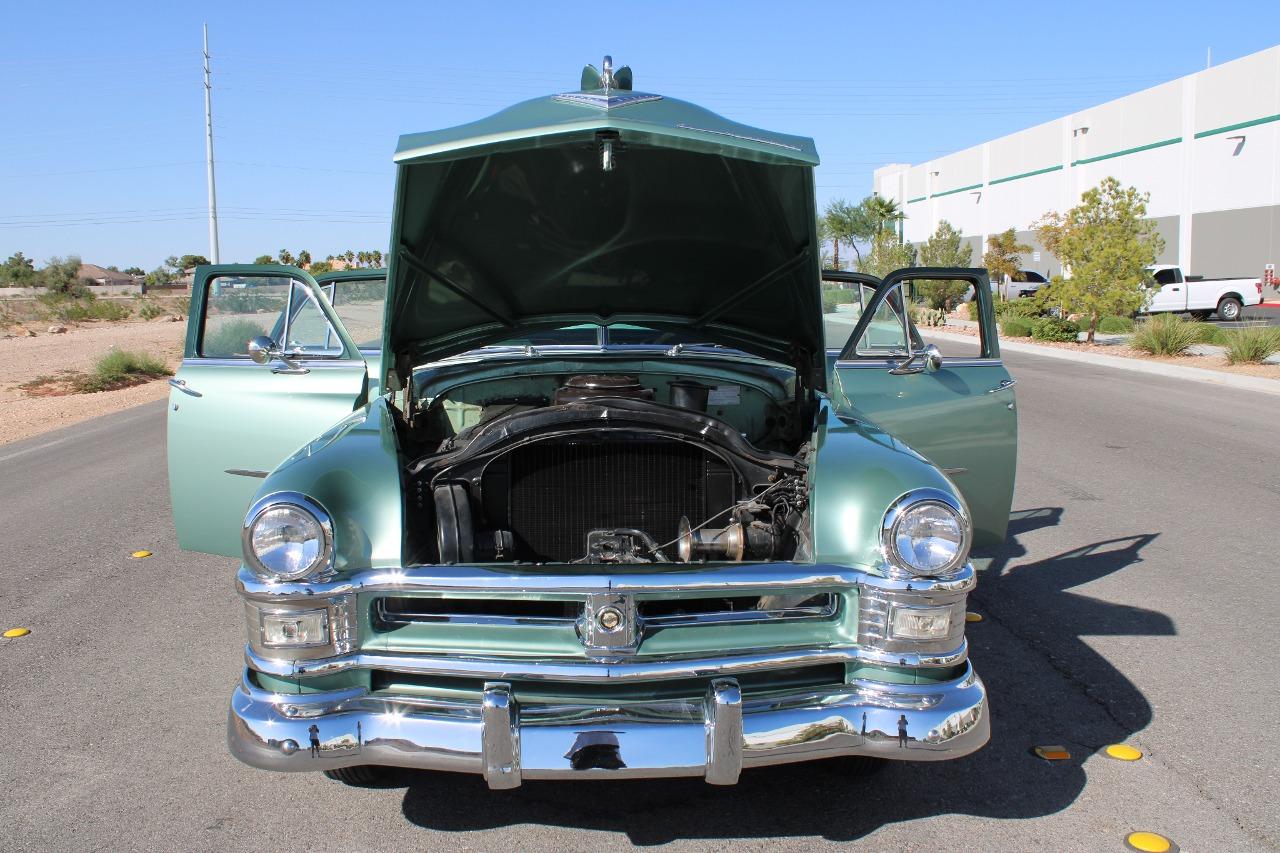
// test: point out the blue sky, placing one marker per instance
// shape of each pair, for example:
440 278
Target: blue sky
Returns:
102 137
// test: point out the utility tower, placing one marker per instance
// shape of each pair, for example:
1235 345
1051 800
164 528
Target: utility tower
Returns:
208 147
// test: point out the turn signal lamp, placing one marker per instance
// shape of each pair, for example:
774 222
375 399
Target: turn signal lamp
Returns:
920 623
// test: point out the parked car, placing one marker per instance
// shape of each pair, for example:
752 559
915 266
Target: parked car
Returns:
605 506
1200 296
1019 284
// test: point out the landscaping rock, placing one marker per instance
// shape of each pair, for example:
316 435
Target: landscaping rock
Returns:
57 330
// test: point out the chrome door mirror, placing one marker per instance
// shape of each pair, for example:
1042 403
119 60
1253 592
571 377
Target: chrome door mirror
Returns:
262 349
927 360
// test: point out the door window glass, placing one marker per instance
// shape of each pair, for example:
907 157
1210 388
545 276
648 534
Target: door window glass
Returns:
309 332
240 308
360 304
887 332
1164 277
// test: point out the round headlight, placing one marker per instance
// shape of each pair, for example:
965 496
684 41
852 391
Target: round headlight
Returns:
284 540
926 534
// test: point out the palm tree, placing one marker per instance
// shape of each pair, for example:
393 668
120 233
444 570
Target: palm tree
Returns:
882 212
304 258
286 257
841 221
377 257
350 256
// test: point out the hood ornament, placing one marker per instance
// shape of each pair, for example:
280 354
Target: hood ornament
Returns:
606 88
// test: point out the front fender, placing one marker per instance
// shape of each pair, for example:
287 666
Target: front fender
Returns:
859 470
352 471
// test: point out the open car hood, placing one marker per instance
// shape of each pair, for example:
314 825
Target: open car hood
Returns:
604 206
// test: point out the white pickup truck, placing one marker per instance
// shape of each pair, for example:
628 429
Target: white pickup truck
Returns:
1200 296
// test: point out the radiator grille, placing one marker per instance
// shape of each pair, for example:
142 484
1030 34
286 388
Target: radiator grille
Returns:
561 489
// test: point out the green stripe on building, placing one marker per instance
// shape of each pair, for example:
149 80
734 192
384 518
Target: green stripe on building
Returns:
1147 147
957 190
1027 174
918 198
1239 126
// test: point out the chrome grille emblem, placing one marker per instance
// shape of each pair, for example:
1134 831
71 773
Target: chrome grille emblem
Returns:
608 622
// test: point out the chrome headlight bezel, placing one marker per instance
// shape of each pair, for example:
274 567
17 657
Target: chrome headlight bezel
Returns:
320 567
924 497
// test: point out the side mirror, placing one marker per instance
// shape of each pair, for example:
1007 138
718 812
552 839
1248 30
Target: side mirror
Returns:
262 349
932 358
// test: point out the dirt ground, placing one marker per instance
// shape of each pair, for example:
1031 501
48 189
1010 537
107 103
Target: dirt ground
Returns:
23 359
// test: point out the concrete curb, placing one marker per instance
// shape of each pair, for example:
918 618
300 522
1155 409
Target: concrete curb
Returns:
1157 368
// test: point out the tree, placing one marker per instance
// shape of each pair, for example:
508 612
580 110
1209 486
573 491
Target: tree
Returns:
134 271
165 274
350 256
946 248
886 254
264 259
840 222
186 262
286 257
1106 243
881 213
18 271
304 258
319 267
1004 255
377 257
62 275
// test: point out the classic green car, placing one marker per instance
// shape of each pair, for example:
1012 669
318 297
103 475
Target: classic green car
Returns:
590 497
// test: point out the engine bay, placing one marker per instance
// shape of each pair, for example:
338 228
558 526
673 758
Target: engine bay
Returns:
604 469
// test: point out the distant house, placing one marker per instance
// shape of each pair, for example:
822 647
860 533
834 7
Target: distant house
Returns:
94 274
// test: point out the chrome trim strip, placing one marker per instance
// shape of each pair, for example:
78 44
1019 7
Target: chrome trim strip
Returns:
315 362
773 578
746 617
599 669
405 617
761 139
245 472
886 363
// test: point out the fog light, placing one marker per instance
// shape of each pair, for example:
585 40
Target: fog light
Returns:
920 623
294 628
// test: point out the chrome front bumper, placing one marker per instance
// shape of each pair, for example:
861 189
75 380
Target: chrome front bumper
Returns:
714 737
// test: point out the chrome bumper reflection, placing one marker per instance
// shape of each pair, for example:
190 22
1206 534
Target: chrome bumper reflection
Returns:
714 737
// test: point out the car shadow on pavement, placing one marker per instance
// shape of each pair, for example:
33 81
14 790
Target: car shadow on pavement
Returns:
1047 687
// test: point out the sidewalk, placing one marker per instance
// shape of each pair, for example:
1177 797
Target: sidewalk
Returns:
1157 368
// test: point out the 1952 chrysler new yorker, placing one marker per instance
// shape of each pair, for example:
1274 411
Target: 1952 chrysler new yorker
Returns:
590 497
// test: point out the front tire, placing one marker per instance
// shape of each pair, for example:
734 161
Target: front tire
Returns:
359 776
1229 308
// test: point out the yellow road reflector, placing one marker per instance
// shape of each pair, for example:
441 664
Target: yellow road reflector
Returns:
1150 842
1123 752
16 632
973 617
1052 752
138 555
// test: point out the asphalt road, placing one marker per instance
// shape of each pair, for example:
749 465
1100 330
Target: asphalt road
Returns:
1135 601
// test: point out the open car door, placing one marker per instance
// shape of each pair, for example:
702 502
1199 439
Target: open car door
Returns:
234 417
359 298
956 411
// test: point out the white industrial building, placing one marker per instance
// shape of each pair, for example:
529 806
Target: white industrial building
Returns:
1205 146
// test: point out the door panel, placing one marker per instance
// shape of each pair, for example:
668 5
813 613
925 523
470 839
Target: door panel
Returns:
960 416
232 421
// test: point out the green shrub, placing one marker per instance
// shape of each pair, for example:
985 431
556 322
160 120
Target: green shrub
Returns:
970 310
833 296
150 310
1023 307
1016 327
1115 325
1207 333
1054 329
76 309
231 338
120 369
1165 334
1250 344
